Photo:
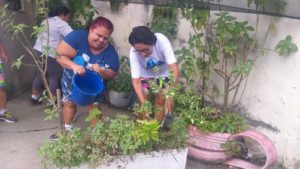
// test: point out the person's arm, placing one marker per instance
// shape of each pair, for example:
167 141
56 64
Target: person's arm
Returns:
175 71
3 53
135 76
137 86
64 54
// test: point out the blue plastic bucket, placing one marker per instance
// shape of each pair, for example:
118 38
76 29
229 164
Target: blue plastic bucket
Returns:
86 87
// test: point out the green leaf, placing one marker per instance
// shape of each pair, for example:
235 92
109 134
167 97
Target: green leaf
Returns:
94 113
17 63
286 47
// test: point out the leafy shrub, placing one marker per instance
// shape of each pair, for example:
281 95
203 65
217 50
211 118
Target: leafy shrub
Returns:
109 139
121 84
207 119
67 150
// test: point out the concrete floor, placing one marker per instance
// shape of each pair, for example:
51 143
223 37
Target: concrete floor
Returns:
19 142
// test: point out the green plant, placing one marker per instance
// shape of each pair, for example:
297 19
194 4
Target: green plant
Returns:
147 131
216 63
146 107
272 5
67 151
164 20
177 133
82 10
286 46
122 83
220 48
114 5
236 148
83 13
109 139
18 33
95 113
168 88
206 119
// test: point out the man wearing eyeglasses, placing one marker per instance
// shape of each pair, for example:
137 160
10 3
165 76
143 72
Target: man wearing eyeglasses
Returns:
151 57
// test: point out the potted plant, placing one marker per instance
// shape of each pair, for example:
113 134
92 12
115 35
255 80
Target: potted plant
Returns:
209 129
117 143
120 91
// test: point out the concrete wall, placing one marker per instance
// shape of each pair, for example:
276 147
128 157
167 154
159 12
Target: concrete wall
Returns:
20 80
272 91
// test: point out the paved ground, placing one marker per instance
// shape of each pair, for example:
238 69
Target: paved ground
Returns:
19 142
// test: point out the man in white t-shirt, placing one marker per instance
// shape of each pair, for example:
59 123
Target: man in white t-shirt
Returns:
56 29
151 57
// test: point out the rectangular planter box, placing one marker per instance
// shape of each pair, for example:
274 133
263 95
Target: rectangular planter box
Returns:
173 159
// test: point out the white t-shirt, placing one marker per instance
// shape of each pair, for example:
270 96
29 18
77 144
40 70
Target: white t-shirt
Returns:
58 29
162 56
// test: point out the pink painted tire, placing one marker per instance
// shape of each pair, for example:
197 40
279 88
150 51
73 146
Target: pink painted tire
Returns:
206 147
264 142
207 141
208 157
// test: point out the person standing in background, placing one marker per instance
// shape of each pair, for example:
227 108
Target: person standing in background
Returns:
57 28
4 114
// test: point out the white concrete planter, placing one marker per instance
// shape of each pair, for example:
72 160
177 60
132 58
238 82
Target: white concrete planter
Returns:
120 99
173 159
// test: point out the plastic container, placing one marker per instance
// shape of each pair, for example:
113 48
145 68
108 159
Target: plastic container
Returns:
86 87
79 60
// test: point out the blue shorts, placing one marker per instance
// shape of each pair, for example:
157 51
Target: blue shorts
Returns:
67 87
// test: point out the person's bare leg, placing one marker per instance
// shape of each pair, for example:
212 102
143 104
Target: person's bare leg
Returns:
159 106
4 114
90 108
169 105
69 110
35 92
3 100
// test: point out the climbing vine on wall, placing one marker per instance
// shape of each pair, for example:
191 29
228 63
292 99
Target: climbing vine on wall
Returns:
164 20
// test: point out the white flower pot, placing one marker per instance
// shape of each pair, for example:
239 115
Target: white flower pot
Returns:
120 99
173 159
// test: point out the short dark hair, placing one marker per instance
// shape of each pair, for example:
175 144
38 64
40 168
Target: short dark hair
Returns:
142 34
59 10
101 21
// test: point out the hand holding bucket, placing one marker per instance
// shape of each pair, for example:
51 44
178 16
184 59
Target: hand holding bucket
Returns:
86 87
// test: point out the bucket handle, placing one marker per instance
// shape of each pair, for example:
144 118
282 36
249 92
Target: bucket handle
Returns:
93 72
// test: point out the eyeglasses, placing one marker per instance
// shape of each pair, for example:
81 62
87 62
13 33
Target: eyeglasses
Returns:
144 50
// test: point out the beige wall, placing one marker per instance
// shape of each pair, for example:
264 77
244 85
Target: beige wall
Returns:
272 93
18 80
